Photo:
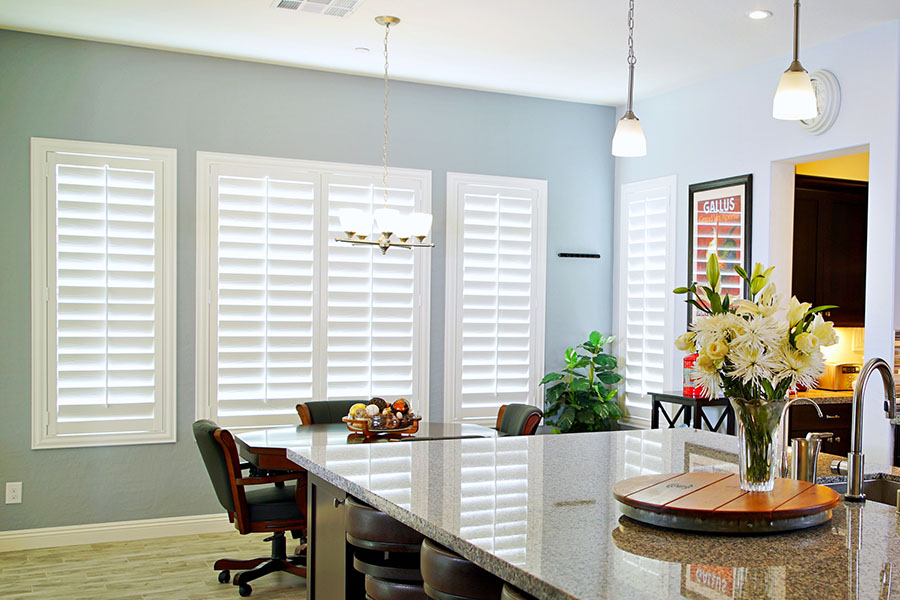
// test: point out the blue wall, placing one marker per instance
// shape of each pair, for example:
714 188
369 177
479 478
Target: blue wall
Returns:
60 88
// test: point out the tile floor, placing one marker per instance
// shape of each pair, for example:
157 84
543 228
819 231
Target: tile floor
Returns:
172 568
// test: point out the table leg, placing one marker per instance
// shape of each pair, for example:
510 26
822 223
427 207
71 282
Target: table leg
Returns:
687 414
654 414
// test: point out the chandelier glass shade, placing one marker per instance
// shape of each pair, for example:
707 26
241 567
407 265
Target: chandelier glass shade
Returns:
795 98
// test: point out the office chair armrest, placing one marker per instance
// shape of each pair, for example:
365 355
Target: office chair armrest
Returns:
271 478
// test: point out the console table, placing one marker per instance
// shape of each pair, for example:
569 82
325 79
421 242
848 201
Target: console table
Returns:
692 409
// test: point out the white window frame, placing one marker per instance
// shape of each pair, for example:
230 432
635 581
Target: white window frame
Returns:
452 350
43 333
324 172
670 380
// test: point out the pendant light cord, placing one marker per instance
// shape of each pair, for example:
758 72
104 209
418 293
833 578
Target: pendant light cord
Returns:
631 59
796 30
387 31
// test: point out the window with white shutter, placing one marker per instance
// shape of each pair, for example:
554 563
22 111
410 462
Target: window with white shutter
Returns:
103 294
288 315
496 261
645 299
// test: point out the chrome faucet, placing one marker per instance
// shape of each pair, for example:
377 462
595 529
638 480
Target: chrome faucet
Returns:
856 460
785 441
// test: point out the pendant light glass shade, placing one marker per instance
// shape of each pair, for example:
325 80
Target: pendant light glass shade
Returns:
795 98
356 221
629 140
421 223
387 220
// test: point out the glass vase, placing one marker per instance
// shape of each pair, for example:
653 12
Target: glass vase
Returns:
757 429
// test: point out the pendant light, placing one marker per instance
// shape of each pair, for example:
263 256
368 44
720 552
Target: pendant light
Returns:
795 99
629 138
388 222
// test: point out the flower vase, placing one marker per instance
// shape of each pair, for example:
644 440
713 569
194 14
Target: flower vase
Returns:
757 428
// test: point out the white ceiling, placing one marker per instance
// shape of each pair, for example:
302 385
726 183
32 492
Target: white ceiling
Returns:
563 49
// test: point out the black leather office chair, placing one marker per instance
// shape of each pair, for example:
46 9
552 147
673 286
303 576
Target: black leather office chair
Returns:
518 419
272 509
324 411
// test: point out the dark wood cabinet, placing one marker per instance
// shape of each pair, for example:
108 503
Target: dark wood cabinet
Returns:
829 265
803 419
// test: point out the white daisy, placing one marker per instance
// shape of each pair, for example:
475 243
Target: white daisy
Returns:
762 333
751 364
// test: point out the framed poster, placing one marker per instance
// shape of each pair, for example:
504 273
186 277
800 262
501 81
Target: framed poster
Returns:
719 214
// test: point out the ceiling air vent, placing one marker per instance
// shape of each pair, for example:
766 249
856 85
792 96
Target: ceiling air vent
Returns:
334 8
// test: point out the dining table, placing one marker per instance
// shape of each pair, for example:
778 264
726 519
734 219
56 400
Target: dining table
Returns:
266 448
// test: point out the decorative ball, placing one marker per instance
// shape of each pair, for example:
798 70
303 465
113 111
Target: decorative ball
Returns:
372 410
357 411
400 405
379 402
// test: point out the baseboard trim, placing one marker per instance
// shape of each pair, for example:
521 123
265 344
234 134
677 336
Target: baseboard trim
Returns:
117 531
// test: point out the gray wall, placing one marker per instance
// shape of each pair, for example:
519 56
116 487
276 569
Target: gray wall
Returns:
53 87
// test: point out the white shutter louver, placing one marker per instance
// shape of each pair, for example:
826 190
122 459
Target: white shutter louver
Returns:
496 254
264 297
645 303
109 285
371 302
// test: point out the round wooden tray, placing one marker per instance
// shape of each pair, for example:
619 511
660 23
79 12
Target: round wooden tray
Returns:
361 427
715 503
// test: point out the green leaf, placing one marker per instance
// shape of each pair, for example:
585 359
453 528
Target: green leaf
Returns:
552 410
554 392
817 309
770 393
594 338
681 290
566 419
740 271
609 378
551 377
606 360
586 416
580 385
698 306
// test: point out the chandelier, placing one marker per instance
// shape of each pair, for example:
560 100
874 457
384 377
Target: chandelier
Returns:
404 230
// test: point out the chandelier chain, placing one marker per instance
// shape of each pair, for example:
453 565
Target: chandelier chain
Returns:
387 31
631 59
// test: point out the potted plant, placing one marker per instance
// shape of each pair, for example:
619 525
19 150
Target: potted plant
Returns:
583 396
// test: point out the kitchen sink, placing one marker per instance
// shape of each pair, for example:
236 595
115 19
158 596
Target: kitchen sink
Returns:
877 490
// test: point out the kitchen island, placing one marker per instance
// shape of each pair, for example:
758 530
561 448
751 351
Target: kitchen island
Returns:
538 512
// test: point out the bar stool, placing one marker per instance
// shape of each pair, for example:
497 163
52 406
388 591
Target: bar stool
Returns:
511 593
385 551
449 576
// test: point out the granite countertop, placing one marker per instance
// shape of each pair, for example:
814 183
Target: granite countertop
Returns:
538 512
827 396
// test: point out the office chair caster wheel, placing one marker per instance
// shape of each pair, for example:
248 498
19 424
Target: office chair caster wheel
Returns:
224 576
245 590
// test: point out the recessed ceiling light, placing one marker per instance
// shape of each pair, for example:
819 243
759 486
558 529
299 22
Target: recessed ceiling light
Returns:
758 15
361 49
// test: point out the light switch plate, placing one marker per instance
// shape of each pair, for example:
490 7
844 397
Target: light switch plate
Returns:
14 492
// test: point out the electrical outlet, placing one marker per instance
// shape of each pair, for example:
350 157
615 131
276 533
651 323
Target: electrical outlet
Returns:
14 492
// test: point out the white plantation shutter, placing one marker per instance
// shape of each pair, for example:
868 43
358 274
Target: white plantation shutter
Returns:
496 254
371 300
264 295
646 301
288 315
106 237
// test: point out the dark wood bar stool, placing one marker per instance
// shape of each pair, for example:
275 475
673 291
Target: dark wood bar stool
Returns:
449 576
511 593
385 551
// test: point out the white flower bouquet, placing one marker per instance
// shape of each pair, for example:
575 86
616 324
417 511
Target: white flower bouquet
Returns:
755 350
